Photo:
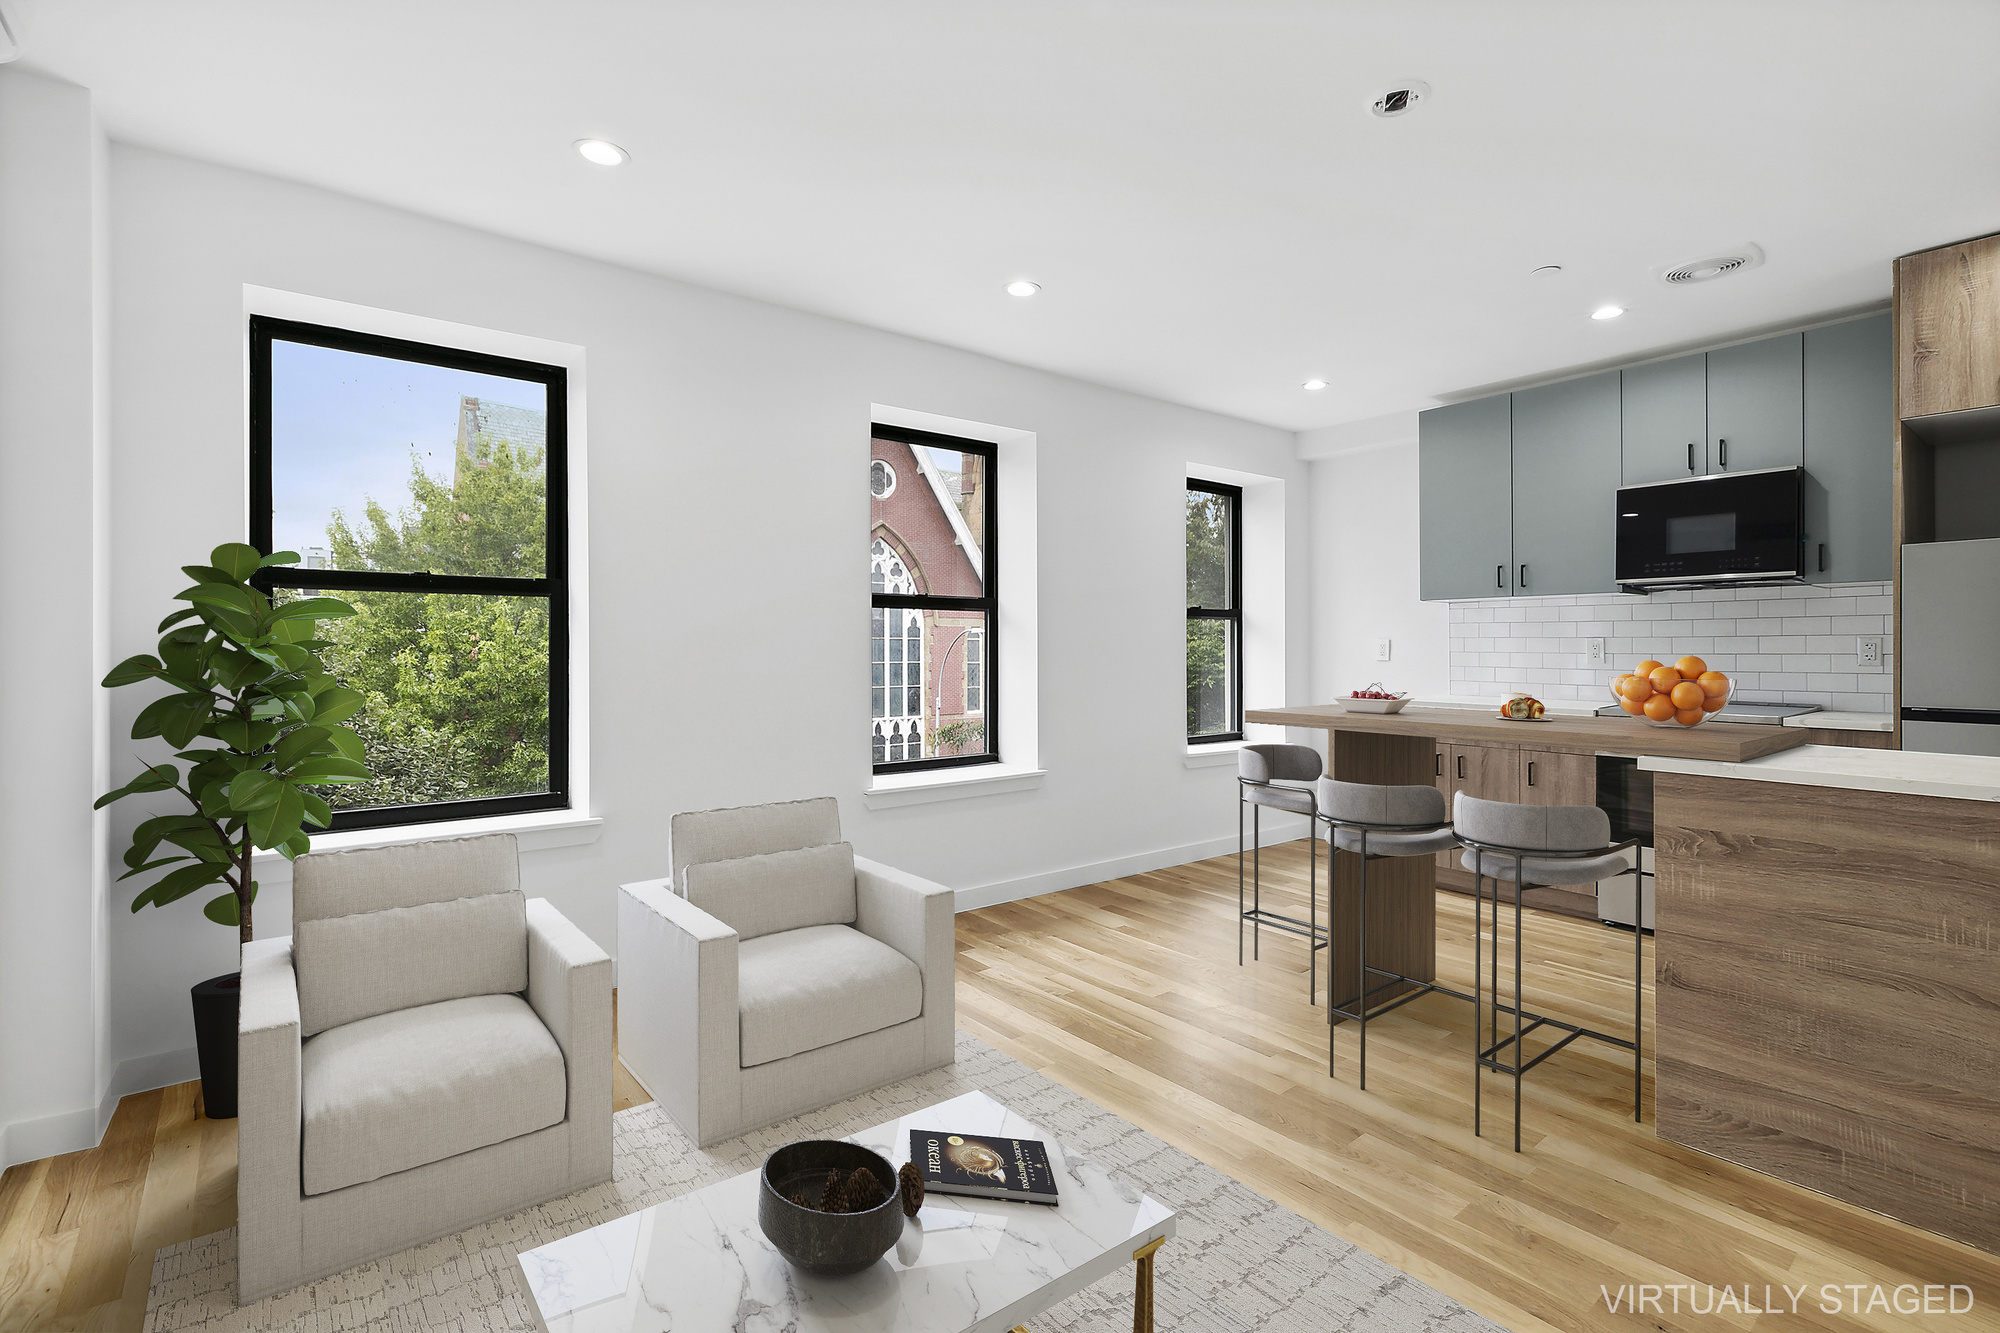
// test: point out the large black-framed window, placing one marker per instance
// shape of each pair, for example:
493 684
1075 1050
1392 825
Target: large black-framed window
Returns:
1214 612
934 569
428 486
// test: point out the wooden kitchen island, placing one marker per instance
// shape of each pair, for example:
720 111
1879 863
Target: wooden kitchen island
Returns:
1550 762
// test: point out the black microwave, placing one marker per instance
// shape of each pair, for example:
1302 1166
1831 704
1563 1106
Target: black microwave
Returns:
1733 527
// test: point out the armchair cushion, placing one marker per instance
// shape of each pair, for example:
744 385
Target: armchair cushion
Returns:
799 990
763 895
401 1089
695 836
355 967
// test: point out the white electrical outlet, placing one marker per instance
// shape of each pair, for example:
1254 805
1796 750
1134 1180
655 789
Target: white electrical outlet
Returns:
1593 650
1869 650
1381 650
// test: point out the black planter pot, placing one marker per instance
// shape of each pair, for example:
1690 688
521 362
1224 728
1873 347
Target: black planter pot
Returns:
217 1002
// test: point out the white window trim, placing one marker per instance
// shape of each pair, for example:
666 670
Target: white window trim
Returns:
1017 623
444 333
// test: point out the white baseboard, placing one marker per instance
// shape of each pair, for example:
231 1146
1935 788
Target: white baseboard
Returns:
74 1131
1276 829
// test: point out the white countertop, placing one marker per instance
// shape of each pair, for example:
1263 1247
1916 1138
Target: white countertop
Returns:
1829 721
1962 777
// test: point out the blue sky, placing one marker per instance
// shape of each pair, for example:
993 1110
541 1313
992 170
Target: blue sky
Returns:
342 427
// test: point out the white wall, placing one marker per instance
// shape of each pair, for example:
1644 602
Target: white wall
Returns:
728 522
53 437
1365 568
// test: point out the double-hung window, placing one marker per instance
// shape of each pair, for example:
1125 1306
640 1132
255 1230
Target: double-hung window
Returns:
1214 612
426 486
931 559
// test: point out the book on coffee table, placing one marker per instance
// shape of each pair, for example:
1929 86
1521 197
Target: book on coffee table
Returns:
984 1166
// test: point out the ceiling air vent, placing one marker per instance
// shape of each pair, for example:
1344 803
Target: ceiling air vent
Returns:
1713 267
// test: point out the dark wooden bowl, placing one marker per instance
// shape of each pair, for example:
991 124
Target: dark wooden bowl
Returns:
828 1243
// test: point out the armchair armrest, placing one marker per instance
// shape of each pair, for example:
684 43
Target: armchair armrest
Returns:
268 1205
678 1030
569 988
914 917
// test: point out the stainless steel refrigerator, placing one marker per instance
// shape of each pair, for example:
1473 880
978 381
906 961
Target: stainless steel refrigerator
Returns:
1951 647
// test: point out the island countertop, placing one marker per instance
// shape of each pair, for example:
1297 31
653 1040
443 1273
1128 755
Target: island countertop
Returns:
1964 777
1722 742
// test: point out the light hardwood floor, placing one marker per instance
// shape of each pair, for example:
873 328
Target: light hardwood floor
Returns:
1129 993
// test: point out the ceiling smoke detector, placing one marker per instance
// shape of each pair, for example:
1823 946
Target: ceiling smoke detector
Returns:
1399 98
1713 267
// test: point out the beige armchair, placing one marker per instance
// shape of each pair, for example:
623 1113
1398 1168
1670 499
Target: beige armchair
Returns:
426 1051
775 972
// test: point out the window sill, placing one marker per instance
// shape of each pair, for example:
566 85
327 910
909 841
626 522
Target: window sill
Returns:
535 832
950 784
1214 755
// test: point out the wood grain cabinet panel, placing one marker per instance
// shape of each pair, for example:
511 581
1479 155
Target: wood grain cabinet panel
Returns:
1828 968
1948 329
1552 778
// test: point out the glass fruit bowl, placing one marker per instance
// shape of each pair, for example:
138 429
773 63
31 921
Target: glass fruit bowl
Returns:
1701 693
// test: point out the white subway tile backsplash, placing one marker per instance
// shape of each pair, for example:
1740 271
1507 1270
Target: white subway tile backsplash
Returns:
1781 645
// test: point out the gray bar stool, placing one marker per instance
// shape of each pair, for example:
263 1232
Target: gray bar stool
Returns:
1375 823
1531 847
1275 775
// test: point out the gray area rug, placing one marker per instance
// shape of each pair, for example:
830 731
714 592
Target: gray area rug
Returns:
1239 1261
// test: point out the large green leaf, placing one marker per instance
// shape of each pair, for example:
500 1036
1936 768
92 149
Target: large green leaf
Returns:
224 596
298 743
178 717
348 742
254 789
336 704
160 777
206 574
318 812
279 823
313 608
224 911
236 560
215 798
185 613
296 846
279 558
178 884
329 768
152 865
143 667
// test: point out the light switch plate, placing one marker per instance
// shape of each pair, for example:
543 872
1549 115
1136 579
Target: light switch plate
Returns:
1593 651
1381 650
1869 650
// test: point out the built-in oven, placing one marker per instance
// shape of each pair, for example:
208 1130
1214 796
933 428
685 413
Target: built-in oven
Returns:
1733 527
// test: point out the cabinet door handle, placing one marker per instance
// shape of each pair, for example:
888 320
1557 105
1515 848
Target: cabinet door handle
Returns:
1499 576
1822 557
1531 772
1524 576
1461 768
1722 447
1690 455
1440 763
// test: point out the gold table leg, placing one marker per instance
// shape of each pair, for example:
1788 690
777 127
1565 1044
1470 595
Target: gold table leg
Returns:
1142 1287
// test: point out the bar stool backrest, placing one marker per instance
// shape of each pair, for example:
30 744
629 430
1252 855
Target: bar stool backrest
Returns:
1538 828
1277 763
1365 803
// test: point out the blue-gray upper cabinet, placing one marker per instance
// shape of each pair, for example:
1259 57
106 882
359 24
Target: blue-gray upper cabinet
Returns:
1849 429
1565 481
1665 420
1465 516
1756 405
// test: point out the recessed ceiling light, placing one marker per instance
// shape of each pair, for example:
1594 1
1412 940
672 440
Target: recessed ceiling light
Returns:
1313 385
1545 271
602 151
1022 287
1607 312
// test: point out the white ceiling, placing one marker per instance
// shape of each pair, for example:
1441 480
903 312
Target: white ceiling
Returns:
1212 212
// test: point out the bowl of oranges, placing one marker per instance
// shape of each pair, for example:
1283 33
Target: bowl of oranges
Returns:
1685 694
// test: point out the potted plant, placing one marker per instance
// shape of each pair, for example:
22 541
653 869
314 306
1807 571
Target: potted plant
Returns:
247 679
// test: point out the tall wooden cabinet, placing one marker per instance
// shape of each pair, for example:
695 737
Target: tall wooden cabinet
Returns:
1948 329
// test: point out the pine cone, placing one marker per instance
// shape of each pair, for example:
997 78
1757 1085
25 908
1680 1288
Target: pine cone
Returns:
912 1182
802 1201
863 1190
832 1197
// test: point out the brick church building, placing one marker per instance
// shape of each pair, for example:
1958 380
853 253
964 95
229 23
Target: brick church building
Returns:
929 666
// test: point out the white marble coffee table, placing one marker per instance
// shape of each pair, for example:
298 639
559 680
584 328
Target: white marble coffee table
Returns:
699 1263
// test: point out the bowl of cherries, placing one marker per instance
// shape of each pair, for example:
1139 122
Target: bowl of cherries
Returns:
1375 699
